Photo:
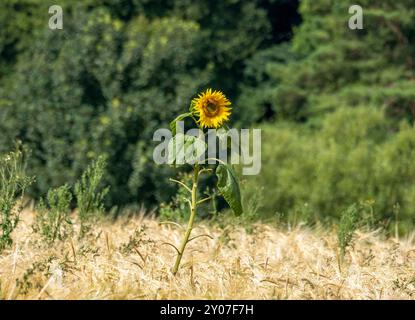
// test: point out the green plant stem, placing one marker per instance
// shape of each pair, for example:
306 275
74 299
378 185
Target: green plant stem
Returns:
193 206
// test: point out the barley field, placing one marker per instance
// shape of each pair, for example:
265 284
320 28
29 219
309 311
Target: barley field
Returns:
131 259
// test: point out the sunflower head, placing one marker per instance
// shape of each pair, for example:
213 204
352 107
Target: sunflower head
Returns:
212 108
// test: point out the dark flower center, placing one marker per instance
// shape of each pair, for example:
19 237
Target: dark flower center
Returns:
211 109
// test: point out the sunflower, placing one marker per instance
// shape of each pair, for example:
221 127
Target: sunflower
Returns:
212 108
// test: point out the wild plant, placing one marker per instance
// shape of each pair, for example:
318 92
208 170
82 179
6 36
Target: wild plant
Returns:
26 281
137 239
348 224
53 214
13 184
177 208
209 110
89 194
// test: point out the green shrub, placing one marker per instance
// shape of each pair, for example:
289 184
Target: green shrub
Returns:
53 214
89 194
13 184
177 210
348 224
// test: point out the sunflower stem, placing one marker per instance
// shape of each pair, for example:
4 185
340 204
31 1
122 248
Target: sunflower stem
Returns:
193 206
182 184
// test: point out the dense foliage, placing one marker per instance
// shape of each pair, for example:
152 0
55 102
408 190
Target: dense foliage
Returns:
312 175
339 103
117 71
346 98
328 65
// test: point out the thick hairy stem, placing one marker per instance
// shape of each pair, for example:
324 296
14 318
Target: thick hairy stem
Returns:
191 220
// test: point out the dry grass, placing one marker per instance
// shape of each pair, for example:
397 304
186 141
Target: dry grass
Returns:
266 264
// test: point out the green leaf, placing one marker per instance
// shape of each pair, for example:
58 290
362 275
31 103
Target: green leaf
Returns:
185 149
228 186
173 124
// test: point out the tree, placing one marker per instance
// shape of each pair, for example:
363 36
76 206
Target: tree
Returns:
101 87
331 65
117 71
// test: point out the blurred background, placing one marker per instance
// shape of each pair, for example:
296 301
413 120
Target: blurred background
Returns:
336 105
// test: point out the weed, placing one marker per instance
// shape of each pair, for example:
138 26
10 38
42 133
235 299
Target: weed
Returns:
86 249
178 209
53 220
13 183
135 240
27 282
89 195
348 224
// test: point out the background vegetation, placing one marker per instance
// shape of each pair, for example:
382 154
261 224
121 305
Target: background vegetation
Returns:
336 105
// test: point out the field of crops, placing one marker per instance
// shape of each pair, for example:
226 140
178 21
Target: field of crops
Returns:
131 258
